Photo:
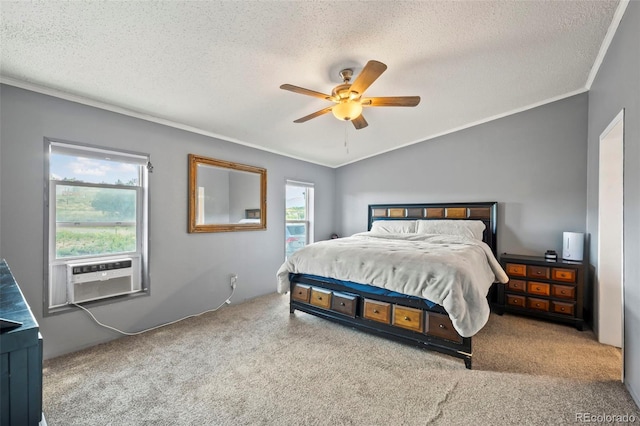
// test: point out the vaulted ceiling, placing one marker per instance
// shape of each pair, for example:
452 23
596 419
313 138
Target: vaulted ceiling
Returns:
215 67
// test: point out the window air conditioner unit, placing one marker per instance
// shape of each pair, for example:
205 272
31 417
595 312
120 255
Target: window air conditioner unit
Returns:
99 280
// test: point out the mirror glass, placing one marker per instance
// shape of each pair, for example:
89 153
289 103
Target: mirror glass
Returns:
226 196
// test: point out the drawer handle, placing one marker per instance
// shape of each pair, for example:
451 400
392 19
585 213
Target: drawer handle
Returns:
562 292
341 303
562 309
537 305
407 319
319 297
441 325
537 288
299 292
375 311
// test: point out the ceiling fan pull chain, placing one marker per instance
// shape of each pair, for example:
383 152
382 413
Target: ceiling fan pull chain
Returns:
346 136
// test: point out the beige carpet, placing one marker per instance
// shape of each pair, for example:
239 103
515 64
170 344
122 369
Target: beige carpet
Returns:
253 364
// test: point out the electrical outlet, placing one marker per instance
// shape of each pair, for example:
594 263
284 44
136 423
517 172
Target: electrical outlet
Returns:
234 280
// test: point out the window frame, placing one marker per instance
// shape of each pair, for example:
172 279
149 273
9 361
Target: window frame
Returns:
309 211
53 185
141 221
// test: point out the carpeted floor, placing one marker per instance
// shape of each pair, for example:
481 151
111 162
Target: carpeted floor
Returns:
255 364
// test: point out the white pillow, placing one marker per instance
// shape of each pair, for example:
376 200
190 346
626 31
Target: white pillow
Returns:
394 226
466 228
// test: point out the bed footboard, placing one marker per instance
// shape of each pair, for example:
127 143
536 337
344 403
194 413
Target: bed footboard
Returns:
401 319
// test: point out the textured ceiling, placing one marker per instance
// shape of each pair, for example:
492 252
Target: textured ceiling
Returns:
215 67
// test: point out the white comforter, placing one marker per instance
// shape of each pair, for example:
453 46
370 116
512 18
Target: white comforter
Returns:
455 272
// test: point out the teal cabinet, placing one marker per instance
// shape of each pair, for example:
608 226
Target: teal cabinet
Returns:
20 357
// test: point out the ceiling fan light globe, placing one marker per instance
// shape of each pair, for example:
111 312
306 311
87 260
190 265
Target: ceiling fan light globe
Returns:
347 111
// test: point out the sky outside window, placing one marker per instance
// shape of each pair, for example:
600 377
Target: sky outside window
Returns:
296 202
92 170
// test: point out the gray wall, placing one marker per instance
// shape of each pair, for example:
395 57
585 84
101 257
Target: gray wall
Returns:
617 86
533 163
189 272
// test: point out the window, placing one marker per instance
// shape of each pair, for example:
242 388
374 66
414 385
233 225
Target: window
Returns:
298 216
97 223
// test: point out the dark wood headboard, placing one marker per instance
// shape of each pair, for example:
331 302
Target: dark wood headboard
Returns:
487 212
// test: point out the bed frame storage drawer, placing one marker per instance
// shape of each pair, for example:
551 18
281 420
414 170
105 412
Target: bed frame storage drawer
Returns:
301 292
377 311
399 318
440 325
320 297
345 303
408 318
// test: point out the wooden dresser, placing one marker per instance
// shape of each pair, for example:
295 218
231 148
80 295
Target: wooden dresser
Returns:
552 290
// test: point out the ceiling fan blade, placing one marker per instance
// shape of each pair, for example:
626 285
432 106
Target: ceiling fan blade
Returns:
367 76
314 115
403 101
303 91
359 122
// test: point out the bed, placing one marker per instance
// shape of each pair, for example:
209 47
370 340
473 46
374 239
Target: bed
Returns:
422 274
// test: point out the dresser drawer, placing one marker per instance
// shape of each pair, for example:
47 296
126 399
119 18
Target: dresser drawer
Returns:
320 297
408 318
566 275
563 307
552 289
541 289
301 293
516 270
563 291
344 303
440 325
514 300
517 285
537 304
534 271
377 311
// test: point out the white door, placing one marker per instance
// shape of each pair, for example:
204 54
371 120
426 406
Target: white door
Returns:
610 233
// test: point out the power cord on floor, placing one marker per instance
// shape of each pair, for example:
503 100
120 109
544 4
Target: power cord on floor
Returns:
233 290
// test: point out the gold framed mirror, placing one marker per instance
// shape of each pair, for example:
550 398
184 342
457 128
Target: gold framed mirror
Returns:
226 196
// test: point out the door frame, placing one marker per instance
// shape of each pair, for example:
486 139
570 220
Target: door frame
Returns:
618 120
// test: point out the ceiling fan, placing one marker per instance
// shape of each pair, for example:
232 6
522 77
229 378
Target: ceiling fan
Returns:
348 97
